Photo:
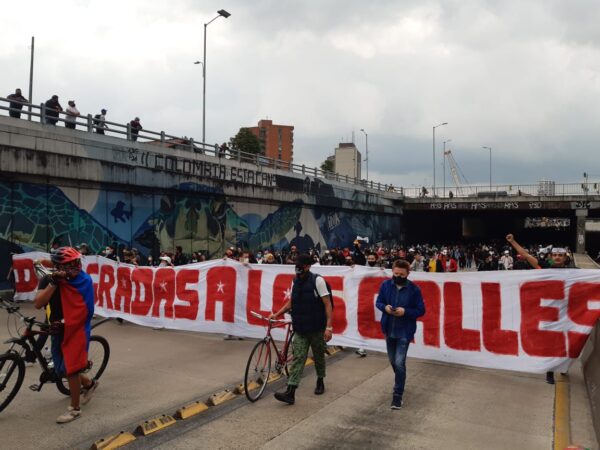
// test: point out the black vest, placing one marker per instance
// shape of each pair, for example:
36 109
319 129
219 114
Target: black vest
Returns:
308 310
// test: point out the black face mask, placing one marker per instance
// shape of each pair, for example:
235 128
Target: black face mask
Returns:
300 271
371 263
400 281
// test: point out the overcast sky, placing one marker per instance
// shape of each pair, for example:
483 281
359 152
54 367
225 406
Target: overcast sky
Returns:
518 76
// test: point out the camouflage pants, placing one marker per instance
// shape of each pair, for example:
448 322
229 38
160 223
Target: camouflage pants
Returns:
302 342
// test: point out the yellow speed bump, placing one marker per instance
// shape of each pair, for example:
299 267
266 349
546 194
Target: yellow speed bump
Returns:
153 425
220 397
114 441
309 362
333 350
274 376
191 410
251 386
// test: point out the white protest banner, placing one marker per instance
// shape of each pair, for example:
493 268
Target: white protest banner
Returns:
532 321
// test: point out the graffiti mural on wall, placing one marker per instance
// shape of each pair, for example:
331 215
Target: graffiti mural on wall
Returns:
194 216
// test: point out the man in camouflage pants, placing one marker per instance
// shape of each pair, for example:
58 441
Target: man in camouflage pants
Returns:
310 306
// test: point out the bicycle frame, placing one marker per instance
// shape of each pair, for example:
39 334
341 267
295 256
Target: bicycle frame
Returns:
282 356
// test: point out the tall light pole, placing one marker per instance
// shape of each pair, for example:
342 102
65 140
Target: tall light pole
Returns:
444 157
220 13
366 150
31 78
441 124
490 149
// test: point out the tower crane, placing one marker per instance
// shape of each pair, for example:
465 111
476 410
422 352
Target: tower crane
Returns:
457 175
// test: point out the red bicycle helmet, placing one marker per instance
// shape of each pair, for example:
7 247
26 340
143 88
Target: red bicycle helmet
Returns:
65 255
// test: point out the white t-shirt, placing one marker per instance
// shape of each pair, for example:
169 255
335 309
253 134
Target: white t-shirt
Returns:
72 113
321 287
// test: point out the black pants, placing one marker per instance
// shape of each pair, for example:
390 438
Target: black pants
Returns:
15 114
134 137
99 130
70 125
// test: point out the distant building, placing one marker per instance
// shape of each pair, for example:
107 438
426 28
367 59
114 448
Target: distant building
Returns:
347 160
277 141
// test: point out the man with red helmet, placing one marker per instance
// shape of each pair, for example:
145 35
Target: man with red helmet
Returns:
69 294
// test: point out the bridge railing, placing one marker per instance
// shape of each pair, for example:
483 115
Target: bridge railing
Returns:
542 189
87 123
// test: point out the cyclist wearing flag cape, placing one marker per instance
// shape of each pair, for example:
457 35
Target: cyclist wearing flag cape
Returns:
69 294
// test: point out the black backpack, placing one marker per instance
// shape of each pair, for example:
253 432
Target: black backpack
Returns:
314 280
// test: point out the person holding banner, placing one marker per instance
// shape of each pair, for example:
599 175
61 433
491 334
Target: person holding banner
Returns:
311 310
558 261
70 294
401 303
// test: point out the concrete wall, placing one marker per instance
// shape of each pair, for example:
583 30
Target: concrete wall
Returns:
73 186
591 370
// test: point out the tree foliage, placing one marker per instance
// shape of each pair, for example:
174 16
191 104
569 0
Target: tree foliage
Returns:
327 166
246 141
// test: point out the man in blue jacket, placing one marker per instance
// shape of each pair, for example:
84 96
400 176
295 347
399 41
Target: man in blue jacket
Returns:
401 303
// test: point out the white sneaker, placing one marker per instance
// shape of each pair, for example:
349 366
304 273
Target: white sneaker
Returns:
361 352
87 394
69 416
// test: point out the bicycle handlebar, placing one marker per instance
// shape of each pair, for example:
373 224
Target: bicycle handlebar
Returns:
12 308
282 321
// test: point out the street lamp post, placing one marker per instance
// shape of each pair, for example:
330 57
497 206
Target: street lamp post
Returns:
220 13
444 158
490 149
441 124
366 151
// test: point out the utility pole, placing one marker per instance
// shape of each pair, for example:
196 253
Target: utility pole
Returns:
31 78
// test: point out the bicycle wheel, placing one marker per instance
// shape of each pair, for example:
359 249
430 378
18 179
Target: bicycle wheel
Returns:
12 372
289 355
258 369
98 355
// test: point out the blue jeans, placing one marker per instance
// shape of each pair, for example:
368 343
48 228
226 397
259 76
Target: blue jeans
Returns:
396 350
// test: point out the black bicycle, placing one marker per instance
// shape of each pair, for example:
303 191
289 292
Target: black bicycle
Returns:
28 347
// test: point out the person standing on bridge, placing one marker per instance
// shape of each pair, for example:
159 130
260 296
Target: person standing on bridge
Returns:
16 104
311 310
100 122
401 303
558 261
72 114
136 127
52 108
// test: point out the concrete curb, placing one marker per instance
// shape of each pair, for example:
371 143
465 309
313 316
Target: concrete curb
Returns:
194 409
562 428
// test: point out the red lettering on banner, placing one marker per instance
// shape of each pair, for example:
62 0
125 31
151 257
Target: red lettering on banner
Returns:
495 339
123 292
367 290
92 270
282 290
338 321
105 283
164 291
221 286
142 280
538 342
185 277
455 336
22 267
580 295
253 298
432 297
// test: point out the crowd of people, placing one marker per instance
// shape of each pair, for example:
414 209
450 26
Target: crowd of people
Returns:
421 257
53 108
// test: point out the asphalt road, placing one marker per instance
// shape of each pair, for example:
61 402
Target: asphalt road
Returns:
153 372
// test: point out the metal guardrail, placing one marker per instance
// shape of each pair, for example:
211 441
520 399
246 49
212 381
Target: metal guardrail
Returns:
160 138
89 124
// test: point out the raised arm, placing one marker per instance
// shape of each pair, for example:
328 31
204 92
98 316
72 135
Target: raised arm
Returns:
532 260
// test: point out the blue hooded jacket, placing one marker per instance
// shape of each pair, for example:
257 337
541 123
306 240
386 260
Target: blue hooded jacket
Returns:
409 298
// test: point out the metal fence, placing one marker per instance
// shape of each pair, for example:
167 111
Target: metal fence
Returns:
87 123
